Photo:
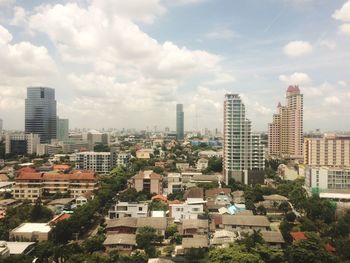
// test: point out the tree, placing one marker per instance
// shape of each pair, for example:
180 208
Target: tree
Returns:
317 208
311 250
94 244
156 205
145 239
214 165
40 213
290 216
298 197
261 210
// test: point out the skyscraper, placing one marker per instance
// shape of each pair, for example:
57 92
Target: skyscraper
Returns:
243 152
285 136
62 129
179 122
40 113
0 125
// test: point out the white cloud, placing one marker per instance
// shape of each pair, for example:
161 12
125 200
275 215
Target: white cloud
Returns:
344 13
329 44
222 33
297 78
19 18
344 29
183 2
7 2
332 100
297 48
343 83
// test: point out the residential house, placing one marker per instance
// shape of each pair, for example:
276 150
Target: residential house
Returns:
144 153
245 222
174 182
273 238
202 164
182 166
124 243
128 209
191 227
190 209
31 232
190 243
123 225
158 223
223 238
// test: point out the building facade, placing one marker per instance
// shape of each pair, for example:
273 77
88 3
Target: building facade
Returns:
329 150
99 162
62 129
332 179
128 209
20 143
147 181
286 132
40 113
180 122
238 140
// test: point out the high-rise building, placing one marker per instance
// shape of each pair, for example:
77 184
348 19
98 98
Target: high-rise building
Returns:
0 125
179 122
62 129
40 113
243 152
285 136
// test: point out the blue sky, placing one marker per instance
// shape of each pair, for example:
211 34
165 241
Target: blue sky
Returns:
125 64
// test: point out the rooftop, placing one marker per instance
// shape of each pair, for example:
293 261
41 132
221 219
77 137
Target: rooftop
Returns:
32 227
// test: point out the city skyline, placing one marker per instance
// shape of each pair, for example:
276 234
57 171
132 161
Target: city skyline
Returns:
235 49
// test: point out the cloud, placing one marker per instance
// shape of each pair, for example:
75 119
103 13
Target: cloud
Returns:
297 48
183 2
297 78
329 44
222 33
7 2
19 18
344 29
332 100
343 14
343 83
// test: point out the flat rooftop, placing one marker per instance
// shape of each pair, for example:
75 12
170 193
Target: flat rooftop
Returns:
32 227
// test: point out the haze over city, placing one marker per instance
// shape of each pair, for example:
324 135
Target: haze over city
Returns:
125 64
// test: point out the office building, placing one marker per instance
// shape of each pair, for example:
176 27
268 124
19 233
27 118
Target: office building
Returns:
20 143
40 113
180 122
62 129
95 137
285 136
1 122
329 150
239 146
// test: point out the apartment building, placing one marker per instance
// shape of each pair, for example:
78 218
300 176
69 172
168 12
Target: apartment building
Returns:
329 150
33 185
147 181
285 135
190 209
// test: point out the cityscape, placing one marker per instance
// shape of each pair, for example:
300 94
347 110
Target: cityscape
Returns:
134 165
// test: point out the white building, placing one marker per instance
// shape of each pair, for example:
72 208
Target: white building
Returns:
121 158
188 210
202 164
20 143
174 182
327 179
126 209
99 162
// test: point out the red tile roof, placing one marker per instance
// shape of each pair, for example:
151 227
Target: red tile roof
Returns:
160 197
61 167
30 176
298 235
329 248
77 176
59 218
26 170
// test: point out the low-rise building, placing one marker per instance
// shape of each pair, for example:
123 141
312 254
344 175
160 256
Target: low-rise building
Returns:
144 153
174 182
158 223
124 243
128 209
31 232
123 225
245 222
147 181
190 209
191 227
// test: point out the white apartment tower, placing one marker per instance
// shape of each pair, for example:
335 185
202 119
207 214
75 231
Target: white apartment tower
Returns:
238 140
285 136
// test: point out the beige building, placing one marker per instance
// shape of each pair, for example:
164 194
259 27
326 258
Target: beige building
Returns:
147 181
330 150
285 136
31 232
32 185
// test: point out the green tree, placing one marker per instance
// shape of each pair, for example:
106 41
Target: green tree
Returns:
145 239
94 244
311 250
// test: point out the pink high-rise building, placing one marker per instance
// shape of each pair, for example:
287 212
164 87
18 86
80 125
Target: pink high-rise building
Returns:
285 137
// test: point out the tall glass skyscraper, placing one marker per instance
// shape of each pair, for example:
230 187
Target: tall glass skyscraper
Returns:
40 113
62 129
179 122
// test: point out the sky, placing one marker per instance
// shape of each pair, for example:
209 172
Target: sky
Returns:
126 64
